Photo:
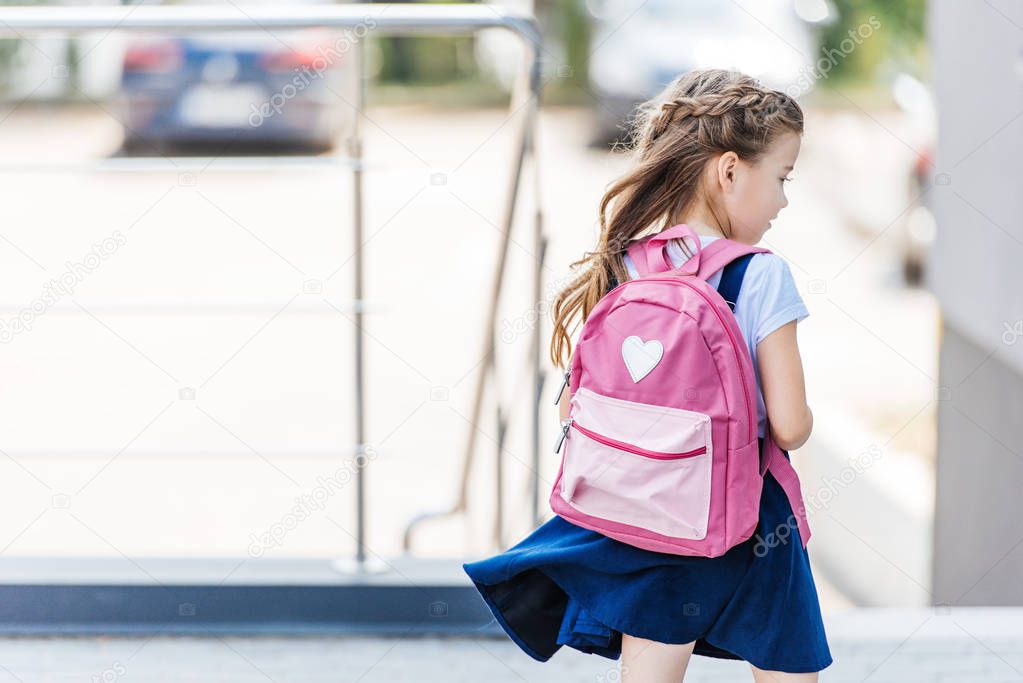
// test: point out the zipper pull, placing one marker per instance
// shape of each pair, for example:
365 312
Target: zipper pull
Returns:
562 389
565 424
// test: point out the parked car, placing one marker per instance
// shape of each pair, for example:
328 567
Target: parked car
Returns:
638 47
265 86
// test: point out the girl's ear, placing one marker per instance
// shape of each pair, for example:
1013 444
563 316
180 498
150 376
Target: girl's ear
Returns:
726 166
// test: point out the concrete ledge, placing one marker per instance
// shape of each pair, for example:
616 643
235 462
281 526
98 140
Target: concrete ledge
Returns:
237 596
229 571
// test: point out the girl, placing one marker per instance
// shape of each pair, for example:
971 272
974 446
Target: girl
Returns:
714 149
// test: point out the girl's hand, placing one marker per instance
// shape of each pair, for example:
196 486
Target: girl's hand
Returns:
781 378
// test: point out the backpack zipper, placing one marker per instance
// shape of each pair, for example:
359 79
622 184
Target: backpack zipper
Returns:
564 432
622 446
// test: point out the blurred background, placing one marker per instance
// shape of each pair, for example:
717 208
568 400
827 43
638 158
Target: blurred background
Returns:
177 260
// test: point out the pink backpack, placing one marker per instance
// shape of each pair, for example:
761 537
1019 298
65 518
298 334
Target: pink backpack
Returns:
660 446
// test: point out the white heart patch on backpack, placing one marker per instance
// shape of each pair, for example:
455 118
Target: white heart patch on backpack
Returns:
641 357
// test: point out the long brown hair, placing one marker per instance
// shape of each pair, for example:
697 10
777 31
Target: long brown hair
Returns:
699 115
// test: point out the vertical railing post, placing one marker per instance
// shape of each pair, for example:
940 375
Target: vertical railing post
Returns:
355 152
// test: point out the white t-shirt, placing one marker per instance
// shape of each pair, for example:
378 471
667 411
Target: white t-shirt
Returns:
767 300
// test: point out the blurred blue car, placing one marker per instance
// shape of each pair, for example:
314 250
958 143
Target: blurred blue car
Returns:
290 88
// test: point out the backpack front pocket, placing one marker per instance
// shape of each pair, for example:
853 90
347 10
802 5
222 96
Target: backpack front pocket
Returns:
645 466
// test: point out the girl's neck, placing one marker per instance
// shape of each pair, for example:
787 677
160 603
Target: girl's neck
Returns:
701 224
703 229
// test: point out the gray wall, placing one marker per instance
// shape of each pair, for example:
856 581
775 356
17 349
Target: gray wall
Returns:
975 270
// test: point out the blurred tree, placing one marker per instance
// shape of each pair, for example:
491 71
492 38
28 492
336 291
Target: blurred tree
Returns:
9 48
899 41
576 35
426 59
567 22
566 28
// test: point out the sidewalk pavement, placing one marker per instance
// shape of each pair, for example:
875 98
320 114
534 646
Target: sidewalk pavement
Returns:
971 645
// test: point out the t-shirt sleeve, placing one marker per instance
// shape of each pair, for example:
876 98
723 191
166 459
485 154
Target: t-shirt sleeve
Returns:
778 300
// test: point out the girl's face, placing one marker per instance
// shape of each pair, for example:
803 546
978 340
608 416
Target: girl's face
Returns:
754 193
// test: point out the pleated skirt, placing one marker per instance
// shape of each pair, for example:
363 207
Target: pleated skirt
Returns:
565 585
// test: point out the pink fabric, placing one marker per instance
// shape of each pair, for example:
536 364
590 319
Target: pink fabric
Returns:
670 496
687 378
650 255
782 470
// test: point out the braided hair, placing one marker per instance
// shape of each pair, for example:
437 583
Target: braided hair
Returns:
742 110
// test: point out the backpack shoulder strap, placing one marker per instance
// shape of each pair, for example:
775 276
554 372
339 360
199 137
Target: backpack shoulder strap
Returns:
649 254
721 252
731 280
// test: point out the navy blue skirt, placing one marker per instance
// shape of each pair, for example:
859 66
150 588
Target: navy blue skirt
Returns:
565 585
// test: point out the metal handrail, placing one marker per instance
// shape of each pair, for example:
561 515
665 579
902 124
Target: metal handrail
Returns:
388 19
525 98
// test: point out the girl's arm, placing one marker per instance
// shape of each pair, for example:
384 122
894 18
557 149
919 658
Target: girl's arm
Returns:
781 378
563 405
